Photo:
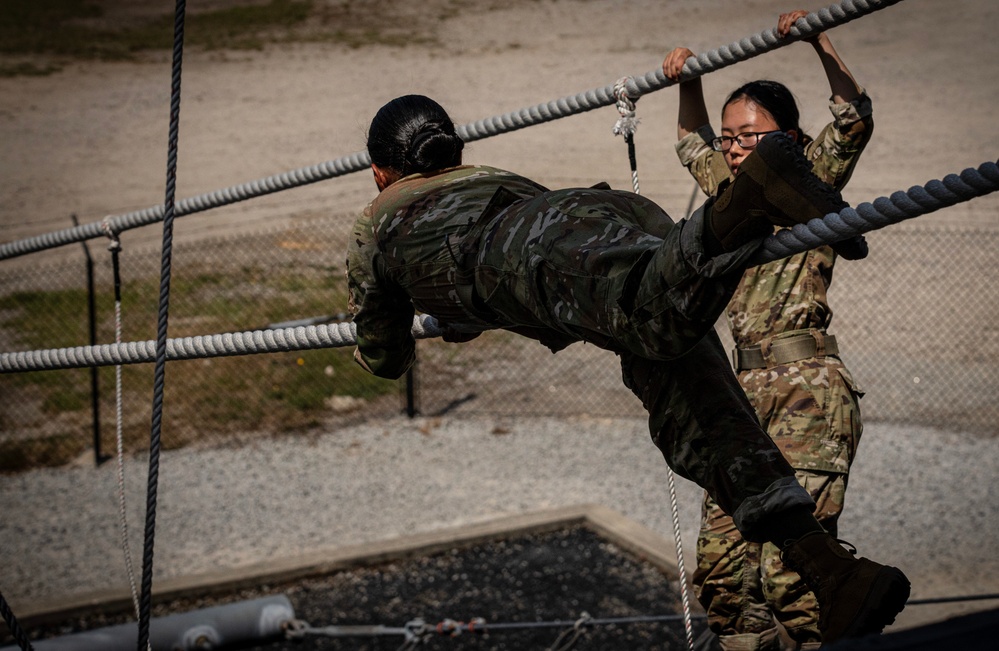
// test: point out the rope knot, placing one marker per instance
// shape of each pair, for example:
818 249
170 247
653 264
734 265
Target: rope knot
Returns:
627 124
115 244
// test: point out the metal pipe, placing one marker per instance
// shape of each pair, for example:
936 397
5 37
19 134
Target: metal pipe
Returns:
207 629
95 391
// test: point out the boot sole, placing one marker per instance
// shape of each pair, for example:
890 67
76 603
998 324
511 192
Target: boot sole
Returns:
883 603
799 189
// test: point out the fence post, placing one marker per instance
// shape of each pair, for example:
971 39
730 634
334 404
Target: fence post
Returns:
95 391
411 391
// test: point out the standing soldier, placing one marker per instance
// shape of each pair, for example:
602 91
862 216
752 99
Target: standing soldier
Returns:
786 361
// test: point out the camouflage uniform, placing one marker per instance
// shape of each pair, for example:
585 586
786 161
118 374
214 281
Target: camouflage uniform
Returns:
480 248
808 406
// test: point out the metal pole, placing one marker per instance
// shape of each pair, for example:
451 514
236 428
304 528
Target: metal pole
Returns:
95 390
411 409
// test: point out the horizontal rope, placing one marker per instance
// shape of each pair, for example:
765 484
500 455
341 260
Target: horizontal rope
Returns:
330 335
883 211
654 80
900 206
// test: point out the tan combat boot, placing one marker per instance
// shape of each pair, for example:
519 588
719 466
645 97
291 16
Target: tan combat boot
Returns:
856 596
775 186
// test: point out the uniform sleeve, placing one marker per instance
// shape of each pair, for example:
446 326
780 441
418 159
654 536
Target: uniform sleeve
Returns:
383 312
706 165
835 152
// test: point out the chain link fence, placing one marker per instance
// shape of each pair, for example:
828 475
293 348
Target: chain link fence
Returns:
917 321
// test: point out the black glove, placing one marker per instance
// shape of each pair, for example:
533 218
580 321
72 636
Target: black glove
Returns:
854 248
453 336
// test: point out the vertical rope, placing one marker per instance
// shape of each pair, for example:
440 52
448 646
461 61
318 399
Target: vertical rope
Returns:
626 126
115 248
145 602
15 627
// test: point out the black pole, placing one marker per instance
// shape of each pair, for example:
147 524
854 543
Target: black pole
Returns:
411 409
95 389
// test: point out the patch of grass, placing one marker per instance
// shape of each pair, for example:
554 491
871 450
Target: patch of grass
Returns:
83 29
209 398
246 27
18 456
27 69
63 28
56 27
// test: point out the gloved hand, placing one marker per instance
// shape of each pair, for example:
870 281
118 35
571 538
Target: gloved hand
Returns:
854 248
453 336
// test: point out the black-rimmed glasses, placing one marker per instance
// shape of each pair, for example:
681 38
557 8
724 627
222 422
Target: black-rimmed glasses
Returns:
746 140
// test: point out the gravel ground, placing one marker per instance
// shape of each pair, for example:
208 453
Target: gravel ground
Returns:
925 500
530 589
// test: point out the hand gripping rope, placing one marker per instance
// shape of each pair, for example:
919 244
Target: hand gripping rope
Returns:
634 87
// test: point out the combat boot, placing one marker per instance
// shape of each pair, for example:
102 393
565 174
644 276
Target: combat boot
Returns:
775 186
856 596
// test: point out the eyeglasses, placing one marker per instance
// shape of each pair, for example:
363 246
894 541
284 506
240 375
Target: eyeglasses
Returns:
746 140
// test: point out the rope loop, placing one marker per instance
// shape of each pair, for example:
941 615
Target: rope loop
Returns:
627 124
108 229
567 639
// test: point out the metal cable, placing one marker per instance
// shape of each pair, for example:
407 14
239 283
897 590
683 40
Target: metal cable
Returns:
159 375
722 57
567 639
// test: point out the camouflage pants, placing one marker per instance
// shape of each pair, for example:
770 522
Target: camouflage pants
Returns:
810 409
610 268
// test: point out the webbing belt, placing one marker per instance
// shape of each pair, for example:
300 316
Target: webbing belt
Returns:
783 351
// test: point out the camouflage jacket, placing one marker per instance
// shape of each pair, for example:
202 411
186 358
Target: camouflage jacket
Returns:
809 407
388 283
787 294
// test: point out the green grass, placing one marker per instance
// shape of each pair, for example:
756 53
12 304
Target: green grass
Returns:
80 29
49 451
60 27
205 399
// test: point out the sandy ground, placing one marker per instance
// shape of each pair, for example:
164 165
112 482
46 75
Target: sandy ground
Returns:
91 141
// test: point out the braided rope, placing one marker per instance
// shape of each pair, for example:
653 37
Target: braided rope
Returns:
626 126
159 373
331 335
747 48
883 211
115 248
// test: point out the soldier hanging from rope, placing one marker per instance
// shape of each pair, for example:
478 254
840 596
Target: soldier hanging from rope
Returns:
481 248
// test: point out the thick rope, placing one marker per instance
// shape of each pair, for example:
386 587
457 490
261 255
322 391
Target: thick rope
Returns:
159 374
328 335
747 48
884 211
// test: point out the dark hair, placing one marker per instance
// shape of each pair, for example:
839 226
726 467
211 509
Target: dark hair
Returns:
776 98
413 134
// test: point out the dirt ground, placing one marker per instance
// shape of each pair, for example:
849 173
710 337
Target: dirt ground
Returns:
91 140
